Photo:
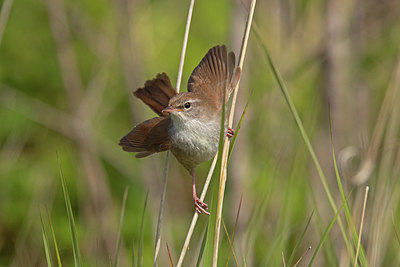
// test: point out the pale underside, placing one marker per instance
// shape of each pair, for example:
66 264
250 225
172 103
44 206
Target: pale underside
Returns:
193 142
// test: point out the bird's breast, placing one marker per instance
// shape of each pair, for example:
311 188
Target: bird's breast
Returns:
194 141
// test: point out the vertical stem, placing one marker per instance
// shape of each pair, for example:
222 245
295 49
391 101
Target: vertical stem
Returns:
5 12
160 214
178 84
361 224
227 142
196 215
185 40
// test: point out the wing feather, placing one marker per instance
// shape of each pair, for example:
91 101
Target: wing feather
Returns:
148 137
215 72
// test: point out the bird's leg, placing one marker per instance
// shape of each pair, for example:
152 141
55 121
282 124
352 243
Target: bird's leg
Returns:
230 133
198 204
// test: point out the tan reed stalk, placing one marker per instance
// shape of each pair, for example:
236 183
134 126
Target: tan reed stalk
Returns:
210 173
283 260
361 224
4 13
165 178
225 151
196 215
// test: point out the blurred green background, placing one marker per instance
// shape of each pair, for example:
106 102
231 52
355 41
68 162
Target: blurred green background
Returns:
67 72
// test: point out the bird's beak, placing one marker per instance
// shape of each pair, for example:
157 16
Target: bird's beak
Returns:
170 109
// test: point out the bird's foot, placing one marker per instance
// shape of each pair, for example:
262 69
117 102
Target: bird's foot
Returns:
200 206
230 133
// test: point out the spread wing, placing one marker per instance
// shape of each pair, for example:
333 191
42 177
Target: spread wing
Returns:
156 93
215 72
148 137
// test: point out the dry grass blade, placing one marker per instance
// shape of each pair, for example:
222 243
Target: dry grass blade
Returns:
385 112
302 256
361 224
185 41
171 263
283 260
178 84
196 215
225 152
344 200
161 211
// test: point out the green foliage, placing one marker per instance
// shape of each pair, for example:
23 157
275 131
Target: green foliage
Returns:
71 221
116 47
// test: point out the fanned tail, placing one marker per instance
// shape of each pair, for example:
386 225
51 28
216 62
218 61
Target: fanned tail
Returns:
156 93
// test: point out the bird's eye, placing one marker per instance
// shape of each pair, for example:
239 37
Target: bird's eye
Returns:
187 105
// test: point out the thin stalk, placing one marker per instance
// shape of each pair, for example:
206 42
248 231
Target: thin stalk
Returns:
225 152
196 215
305 139
46 243
361 224
161 211
185 41
4 14
165 179
121 221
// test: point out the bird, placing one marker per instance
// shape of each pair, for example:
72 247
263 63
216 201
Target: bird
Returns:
188 123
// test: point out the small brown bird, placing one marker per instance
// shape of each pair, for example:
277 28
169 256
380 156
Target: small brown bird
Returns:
189 123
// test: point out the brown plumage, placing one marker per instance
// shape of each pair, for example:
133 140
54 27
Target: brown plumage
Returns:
156 93
148 137
189 123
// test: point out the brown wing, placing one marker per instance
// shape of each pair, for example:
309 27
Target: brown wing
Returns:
156 93
215 72
148 137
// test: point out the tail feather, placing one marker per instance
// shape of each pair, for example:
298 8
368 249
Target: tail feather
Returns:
156 93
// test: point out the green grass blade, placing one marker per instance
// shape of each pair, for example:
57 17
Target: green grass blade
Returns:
46 243
75 245
203 244
362 257
324 236
235 226
133 254
140 247
289 263
395 230
54 240
238 127
209 246
230 243
121 220
306 140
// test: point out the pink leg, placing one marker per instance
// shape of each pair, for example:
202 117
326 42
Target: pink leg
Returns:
230 133
198 204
